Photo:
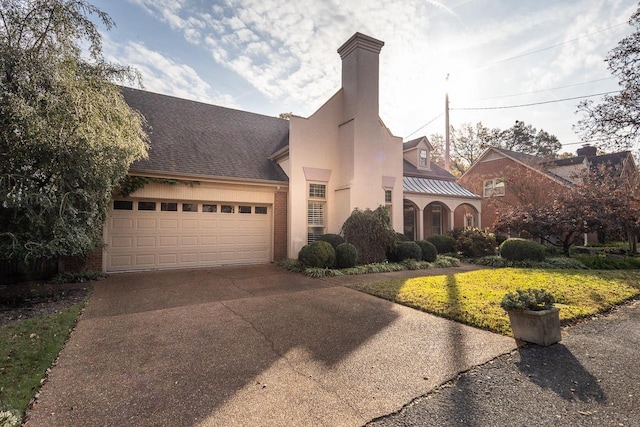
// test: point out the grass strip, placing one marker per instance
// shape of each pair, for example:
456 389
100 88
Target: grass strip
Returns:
474 297
27 349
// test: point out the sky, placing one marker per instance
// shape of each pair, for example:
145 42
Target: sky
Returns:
270 57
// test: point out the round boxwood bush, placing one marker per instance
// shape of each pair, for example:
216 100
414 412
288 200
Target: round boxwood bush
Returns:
444 244
521 250
406 250
318 254
429 251
400 237
346 255
334 239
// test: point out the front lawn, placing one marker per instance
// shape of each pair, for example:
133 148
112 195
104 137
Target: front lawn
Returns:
27 349
474 297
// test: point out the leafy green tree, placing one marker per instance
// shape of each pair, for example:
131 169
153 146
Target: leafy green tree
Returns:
615 122
525 138
67 137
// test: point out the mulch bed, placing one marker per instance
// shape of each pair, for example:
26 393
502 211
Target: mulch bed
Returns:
33 299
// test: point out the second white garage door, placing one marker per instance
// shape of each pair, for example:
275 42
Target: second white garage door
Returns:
143 234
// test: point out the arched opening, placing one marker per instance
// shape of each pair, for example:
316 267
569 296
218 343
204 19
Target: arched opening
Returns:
436 219
465 216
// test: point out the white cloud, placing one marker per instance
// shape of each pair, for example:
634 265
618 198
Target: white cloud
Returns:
163 75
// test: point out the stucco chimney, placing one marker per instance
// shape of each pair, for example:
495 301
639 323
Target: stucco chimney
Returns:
360 72
587 150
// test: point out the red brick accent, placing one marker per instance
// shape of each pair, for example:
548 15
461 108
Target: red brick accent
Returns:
280 225
78 264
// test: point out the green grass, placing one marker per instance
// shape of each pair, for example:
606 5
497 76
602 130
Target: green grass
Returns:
474 297
27 349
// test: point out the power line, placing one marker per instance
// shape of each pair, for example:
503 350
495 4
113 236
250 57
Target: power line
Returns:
511 58
533 103
425 125
545 90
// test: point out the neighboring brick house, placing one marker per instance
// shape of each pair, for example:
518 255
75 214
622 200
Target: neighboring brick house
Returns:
490 174
224 186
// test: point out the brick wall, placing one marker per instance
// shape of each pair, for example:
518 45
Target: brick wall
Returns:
280 225
540 185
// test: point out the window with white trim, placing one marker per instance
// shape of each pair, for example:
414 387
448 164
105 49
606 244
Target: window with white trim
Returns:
316 211
422 158
388 200
494 187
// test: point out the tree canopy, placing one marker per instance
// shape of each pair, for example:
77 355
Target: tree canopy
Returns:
615 122
67 137
469 141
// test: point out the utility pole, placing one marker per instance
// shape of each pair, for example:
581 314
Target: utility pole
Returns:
447 160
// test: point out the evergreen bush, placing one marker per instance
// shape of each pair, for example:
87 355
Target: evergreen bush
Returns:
429 251
346 255
475 243
520 250
334 239
444 244
370 232
408 250
318 254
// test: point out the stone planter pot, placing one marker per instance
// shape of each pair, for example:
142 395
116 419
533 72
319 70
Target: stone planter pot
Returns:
538 327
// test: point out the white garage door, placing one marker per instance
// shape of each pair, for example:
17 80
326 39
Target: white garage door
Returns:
154 234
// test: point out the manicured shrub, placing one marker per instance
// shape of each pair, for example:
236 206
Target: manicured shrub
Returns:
444 244
520 250
475 243
400 237
318 254
346 255
429 251
334 239
370 232
500 238
408 250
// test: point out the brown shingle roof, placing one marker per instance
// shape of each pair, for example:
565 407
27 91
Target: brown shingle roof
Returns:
189 137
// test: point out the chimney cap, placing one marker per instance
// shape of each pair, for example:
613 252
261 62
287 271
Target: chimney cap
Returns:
359 40
587 150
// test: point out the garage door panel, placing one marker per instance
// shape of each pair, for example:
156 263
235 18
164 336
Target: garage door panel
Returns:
150 223
121 242
209 224
146 241
122 261
168 259
189 224
208 240
170 224
122 223
188 240
145 260
189 258
208 257
168 241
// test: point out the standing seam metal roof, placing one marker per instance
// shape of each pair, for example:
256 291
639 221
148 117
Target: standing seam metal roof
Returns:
436 187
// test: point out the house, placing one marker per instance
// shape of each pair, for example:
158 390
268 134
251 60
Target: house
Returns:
495 168
223 186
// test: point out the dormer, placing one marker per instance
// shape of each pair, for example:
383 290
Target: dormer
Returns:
418 153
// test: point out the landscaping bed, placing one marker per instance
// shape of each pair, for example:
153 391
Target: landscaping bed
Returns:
474 297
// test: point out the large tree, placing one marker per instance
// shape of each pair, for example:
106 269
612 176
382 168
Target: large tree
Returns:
67 137
615 122
526 139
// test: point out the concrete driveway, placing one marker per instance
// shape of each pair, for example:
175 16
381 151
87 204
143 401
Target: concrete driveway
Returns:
251 345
